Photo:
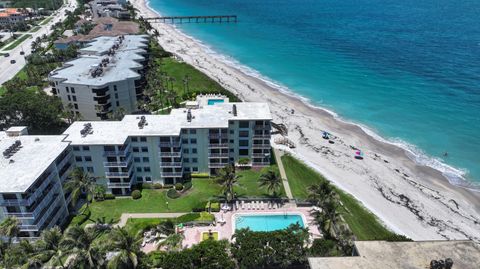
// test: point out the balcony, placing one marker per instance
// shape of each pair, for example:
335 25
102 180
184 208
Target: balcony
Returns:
171 164
261 146
36 194
118 164
123 152
48 212
260 155
268 136
117 174
224 145
260 163
171 174
174 144
170 154
19 215
262 127
14 202
218 136
28 228
119 185
218 155
217 165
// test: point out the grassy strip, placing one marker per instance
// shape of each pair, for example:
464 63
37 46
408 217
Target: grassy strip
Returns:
17 42
34 29
135 226
364 224
248 183
46 21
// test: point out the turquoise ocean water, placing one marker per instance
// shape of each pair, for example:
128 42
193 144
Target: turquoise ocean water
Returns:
407 70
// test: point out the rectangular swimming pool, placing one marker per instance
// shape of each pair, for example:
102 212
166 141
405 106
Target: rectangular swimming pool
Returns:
266 223
214 101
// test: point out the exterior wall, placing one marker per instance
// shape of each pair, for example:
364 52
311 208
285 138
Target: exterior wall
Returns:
44 204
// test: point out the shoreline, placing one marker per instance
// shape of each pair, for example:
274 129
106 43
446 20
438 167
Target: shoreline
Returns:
411 199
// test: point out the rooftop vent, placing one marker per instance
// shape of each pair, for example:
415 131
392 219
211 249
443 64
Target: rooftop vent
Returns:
142 122
7 153
87 129
37 139
189 115
234 110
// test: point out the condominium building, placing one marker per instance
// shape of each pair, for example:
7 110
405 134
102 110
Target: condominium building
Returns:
32 171
108 75
10 16
165 148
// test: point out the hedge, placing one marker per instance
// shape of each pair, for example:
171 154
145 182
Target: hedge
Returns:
187 186
173 194
200 175
136 194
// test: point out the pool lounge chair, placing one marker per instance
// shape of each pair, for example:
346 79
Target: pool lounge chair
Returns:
243 205
261 206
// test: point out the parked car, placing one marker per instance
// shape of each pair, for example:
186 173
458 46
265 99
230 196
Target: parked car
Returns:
12 61
22 52
6 54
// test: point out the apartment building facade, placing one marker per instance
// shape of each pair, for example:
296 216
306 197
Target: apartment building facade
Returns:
166 148
109 75
33 169
9 16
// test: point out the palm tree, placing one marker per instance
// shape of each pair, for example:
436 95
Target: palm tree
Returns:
79 243
327 219
272 181
227 179
321 193
10 228
167 227
49 245
173 242
78 183
127 246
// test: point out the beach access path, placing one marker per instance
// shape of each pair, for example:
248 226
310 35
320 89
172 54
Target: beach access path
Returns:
411 199
283 174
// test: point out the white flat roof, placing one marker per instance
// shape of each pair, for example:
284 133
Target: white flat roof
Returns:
117 132
121 66
22 169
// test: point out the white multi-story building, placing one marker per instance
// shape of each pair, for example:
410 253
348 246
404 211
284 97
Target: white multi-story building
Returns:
107 76
32 170
166 148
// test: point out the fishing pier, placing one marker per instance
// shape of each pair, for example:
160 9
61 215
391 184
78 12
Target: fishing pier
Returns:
195 19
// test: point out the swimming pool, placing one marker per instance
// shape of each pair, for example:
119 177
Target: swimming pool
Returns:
214 101
266 223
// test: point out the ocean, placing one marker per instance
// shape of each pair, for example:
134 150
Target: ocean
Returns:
408 71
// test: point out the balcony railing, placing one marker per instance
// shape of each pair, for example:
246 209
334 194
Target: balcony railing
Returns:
217 165
117 174
262 136
262 127
218 145
49 211
170 154
28 201
260 163
175 144
218 136
218 155
261 146
261 155
118 164
20 215
28 228
170 164
119 184
171 174
117 152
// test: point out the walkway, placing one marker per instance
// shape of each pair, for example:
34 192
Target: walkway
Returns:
283 175
126 216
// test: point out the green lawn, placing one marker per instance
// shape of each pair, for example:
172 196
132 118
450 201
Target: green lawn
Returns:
154 201
2 90
364 224
248 183
34 29
138 225
17 42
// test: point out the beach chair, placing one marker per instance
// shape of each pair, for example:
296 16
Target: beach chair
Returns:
243 205
257 205
261 206
274 205
249 205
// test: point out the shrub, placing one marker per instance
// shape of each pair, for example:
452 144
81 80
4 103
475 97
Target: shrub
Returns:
179 186
323 248
157 185
136 194
187 186
109 196
244 161
147 186
215 207
200 175
173 194
167 186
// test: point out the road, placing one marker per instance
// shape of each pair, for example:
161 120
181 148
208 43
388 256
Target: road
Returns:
8 70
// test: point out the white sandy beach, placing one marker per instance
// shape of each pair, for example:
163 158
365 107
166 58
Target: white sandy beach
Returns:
410 199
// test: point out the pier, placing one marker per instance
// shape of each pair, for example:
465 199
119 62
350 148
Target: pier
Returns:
195 19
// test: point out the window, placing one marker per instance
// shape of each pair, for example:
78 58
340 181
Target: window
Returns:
184 141
135 149
243 134
193 141
231 141
136 159
243 143
186 160
186 169
86 148
90 169
244 124
195 169
76 148
148 179
139 169
78 158
194 160
73 89
134 139
231 150
115 87
186 151
116 96
74 98
243 152
144 149
194 151
184 131
139 179
146 159
193 131
232 131
75 106
68 90
88 158
68 97
143 139
146 169
118 103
